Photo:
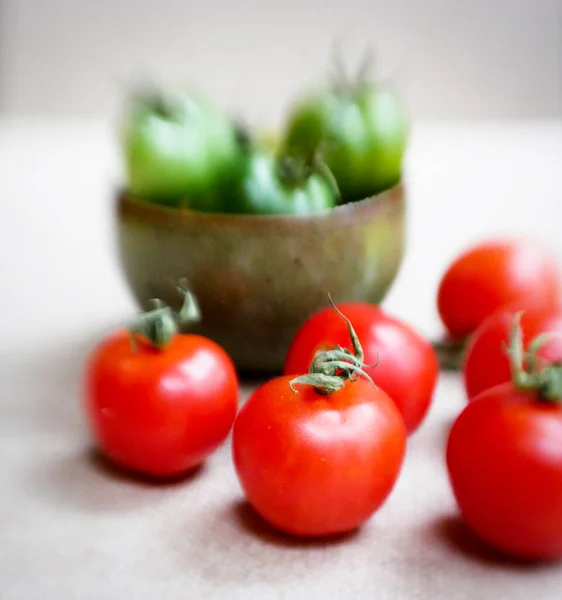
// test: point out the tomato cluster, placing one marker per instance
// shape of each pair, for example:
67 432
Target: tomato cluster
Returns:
343 144
504 452
319 449
333 426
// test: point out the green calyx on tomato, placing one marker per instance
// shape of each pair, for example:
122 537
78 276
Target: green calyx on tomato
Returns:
330 369
284 185
179 150
159 325
361 130
547 381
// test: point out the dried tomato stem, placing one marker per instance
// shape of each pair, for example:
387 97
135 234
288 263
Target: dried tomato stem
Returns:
343 82
547 382
330 369
162 323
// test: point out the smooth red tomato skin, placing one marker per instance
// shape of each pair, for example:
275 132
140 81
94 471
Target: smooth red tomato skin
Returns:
491 275
486 361
160 413
315 465
408 367
504 457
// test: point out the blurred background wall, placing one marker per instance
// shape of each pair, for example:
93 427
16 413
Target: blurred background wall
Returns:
455 59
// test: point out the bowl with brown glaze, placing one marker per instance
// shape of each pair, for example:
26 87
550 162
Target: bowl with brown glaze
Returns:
256 277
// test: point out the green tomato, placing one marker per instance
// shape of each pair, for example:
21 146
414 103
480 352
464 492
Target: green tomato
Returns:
180 150
361 133
274 186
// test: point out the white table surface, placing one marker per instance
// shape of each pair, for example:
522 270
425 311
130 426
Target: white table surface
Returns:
70 529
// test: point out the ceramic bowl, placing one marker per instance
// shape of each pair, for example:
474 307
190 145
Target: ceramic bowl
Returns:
257 278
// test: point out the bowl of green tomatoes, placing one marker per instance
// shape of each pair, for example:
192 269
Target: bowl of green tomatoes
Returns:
262 233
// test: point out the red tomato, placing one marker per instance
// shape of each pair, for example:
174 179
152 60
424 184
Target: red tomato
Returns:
407 369
314 464
504 457
160 411
492 275
486 362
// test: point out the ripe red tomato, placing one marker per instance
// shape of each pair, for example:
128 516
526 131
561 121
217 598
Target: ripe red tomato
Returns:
315 464
160 410
408 366
491 275
486 362
504 458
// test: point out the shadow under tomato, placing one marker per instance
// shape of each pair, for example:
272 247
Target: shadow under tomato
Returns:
233 545
250 381
120 473
85 480
255 378
251 522
453 531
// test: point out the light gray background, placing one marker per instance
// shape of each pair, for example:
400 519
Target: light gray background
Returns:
455 59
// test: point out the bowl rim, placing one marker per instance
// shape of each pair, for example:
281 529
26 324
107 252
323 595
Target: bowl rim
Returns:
128 206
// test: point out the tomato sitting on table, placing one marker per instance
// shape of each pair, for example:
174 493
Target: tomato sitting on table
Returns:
319 454
406 364
491 275
160 402
504 457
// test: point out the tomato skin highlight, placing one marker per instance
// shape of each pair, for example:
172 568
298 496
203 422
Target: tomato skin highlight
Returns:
407 367
486 362
491 275
160 412
504 458
313 464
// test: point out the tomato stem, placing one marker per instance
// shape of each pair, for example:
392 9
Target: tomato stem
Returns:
344 83
330 369
365 68
546 381
162 323
293 171
339 75
165 105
